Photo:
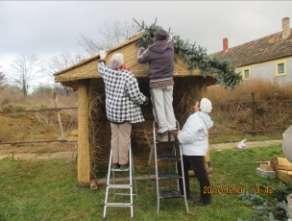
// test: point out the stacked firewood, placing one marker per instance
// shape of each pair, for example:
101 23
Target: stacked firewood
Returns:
283 169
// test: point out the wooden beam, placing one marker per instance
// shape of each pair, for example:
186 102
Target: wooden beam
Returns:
284 176
38 110
83 158
37 141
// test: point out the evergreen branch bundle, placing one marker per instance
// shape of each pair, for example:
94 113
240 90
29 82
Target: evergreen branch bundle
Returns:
195 56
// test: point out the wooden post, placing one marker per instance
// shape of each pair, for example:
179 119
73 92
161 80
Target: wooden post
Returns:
55 101
253 113
83 159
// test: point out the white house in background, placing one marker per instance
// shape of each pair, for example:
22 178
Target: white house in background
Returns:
268 58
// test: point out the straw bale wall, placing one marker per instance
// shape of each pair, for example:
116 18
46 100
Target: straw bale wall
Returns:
186 91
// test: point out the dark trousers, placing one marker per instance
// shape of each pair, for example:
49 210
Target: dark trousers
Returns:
197 164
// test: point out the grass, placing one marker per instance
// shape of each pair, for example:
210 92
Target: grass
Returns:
236 136
48 191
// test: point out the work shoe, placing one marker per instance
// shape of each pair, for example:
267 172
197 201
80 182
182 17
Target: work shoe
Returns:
162 130
124 167
115 166
204 202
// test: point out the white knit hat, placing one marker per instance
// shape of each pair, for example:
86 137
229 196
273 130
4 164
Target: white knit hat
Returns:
206 105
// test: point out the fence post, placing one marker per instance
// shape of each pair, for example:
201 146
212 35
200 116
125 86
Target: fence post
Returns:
58 116
253 102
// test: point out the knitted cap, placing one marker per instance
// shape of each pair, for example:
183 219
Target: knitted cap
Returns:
161 34
206 105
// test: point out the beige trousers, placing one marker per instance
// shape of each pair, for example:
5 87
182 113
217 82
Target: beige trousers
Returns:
120 141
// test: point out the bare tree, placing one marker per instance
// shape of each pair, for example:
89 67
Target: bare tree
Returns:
110 35
61 62
2 78
24 70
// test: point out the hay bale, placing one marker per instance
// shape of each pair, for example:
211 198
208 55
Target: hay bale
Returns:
186 91
280 163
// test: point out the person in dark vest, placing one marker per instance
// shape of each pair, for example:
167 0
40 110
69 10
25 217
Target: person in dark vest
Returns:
160 57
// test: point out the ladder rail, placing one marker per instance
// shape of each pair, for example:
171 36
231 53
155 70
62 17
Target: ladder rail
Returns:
183 179
131 182
175 149
107 185
113 185
156 169
182 172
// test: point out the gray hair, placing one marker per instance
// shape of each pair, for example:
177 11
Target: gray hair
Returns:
116 61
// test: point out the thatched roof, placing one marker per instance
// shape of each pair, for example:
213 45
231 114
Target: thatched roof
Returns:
264 49
87 69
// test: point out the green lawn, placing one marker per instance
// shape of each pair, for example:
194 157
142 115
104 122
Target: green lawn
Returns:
48 191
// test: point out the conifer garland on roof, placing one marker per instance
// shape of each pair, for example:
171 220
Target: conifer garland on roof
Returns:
195 56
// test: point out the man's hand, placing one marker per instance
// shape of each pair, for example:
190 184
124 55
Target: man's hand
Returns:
102 55
140 51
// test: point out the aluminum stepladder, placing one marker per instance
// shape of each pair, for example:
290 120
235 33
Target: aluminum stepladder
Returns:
175 156
110 184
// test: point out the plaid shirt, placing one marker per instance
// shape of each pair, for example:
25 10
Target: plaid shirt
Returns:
123 97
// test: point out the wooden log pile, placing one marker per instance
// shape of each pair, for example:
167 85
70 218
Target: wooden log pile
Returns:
283 169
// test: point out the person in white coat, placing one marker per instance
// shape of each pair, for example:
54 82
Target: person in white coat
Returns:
193 139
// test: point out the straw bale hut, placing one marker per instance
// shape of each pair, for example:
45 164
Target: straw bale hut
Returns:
93 129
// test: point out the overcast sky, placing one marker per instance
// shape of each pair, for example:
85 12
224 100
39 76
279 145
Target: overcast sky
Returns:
46 28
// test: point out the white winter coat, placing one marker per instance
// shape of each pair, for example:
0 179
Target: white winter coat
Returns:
194 135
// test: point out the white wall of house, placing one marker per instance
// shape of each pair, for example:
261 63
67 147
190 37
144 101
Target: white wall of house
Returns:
269 71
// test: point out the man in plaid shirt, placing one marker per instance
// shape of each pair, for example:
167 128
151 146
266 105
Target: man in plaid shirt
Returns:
123 101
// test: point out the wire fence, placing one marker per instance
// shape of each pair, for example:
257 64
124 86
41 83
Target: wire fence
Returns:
58 115
254 116
250 116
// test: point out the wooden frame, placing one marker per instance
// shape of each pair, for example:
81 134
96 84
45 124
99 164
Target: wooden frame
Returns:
78 77
83 154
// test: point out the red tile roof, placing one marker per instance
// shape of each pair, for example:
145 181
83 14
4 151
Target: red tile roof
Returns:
264 49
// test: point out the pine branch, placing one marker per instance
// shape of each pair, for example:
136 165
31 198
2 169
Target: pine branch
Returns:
194 55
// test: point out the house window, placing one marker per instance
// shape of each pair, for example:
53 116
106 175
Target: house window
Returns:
281 68
246 74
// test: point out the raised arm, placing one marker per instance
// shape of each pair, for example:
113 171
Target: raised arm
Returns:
101 68
143 55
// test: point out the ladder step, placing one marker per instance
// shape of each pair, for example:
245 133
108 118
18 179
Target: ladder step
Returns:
118 204
125 194
165 142
168 176
167 157
119 170
170 194
119 186
164 139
